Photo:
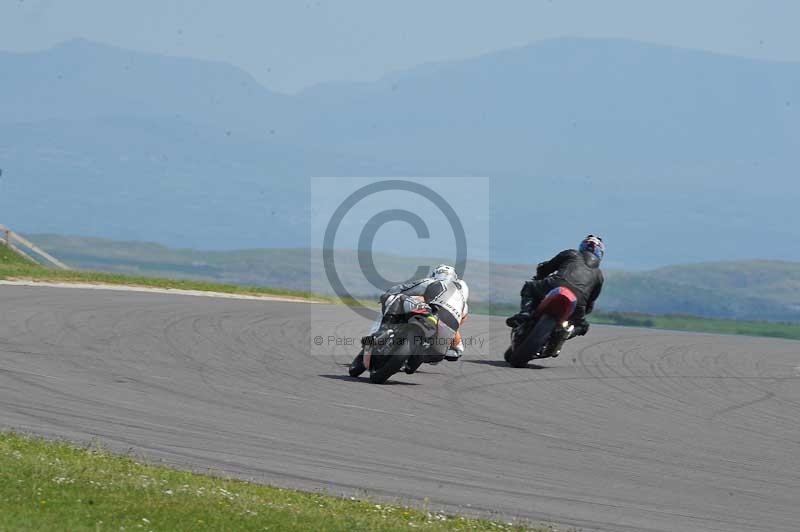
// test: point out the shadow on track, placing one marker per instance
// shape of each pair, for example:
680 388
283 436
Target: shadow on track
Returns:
364 380
503 364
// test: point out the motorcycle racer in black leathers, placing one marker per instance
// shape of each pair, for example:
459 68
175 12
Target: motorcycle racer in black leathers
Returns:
578 270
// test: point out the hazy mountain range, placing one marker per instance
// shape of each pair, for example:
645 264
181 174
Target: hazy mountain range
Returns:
758 290
675 155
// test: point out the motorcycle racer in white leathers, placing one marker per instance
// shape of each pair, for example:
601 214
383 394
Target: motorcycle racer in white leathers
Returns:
443 290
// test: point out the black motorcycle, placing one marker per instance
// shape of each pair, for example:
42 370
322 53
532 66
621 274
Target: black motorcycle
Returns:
544 334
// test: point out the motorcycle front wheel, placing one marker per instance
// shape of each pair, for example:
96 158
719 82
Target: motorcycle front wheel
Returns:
356 370
387 365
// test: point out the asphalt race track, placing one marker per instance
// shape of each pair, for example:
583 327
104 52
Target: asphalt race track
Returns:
628 430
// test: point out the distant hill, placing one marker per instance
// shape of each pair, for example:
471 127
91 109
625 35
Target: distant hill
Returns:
80 80
754 290
676 155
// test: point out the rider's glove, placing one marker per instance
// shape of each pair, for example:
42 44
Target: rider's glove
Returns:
581 328
527 290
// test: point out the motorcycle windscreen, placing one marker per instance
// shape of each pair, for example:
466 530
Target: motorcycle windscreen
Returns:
559 302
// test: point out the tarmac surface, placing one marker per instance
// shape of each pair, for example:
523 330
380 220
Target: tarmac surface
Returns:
629 430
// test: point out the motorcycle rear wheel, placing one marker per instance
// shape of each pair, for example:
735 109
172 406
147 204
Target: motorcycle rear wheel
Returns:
533 344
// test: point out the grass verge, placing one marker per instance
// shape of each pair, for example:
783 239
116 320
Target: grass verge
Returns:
58 486
767 329
12 266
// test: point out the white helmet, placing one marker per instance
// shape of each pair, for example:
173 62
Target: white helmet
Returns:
443 272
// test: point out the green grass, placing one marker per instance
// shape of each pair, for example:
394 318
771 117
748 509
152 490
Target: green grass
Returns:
59 486
13 266
734 290
707 325
768 329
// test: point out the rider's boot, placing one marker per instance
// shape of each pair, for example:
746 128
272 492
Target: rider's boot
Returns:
517 319
524 314
452 355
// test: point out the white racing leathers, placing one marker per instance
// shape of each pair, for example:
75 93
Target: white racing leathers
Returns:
449 298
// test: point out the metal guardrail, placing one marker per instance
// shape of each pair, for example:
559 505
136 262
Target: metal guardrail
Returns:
26 248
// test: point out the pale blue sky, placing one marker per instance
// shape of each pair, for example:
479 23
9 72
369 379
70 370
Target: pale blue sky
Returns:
295 43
